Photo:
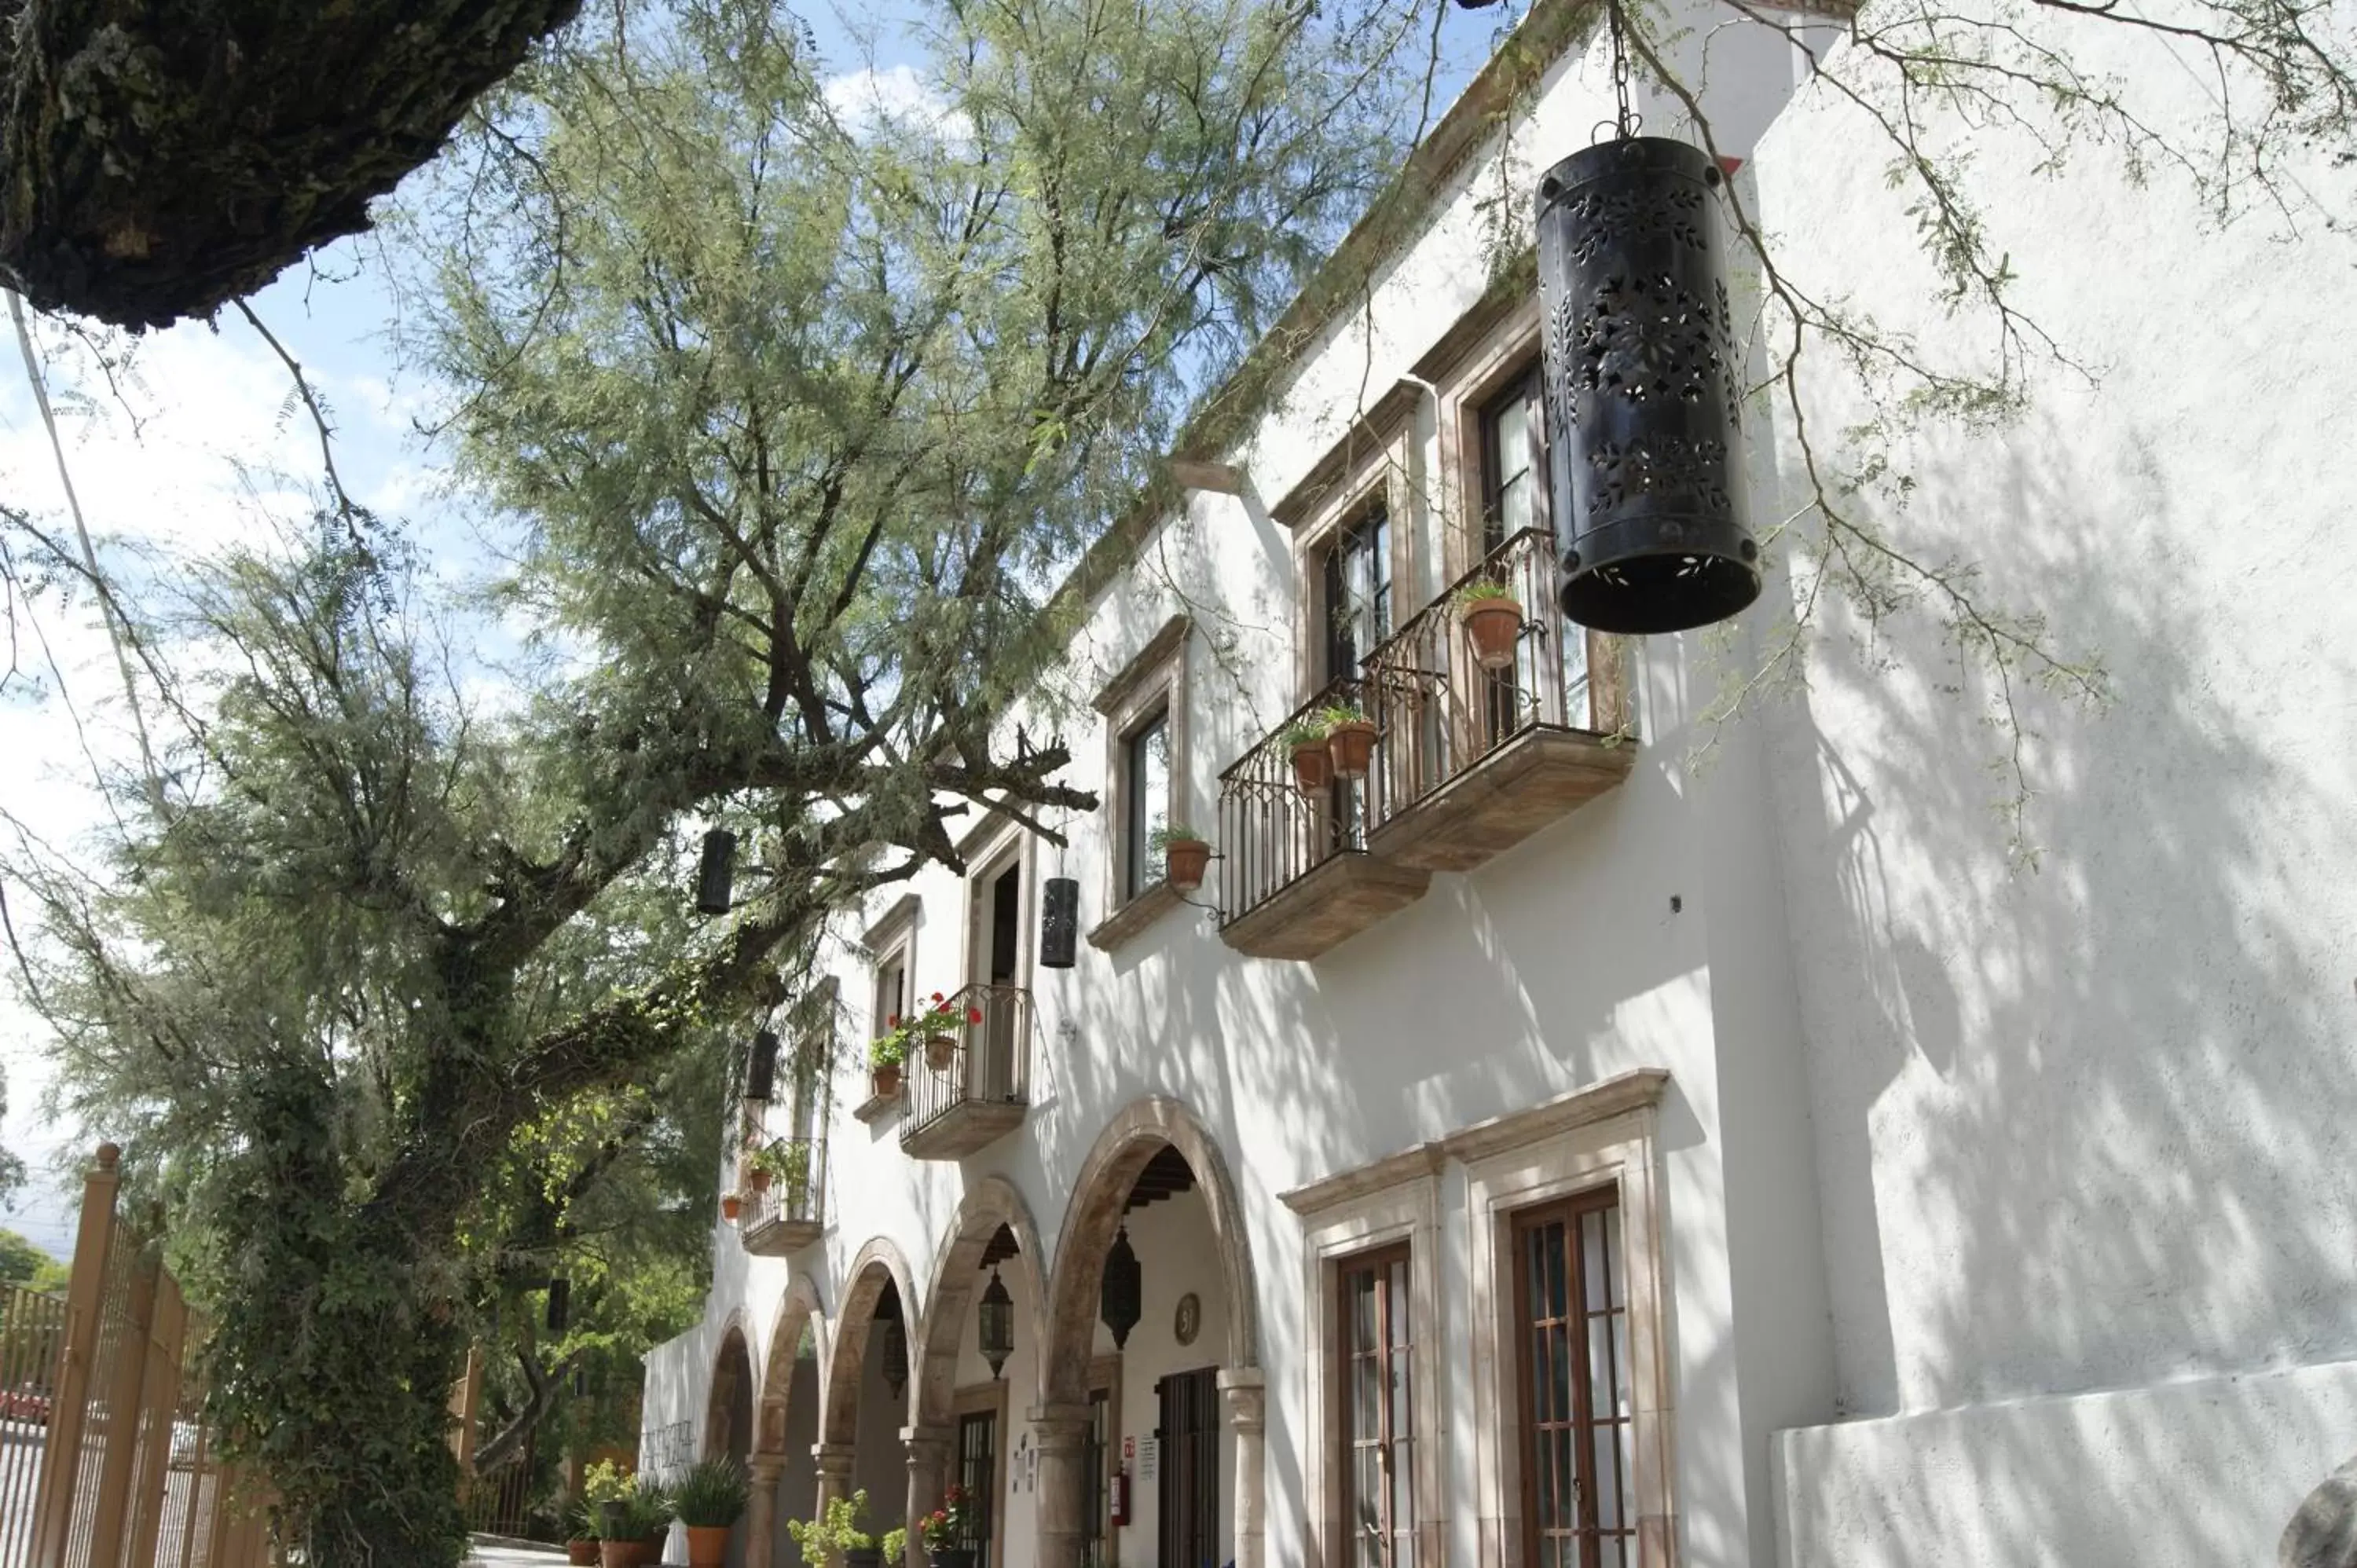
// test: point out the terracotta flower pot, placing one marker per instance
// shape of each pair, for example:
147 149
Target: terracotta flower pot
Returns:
731 1206
1352 744
582 1553
884 1082
1313 765
618 1554
649 1550
758 1179
864 1557
1184 861
940 1051
1494 627
708 1545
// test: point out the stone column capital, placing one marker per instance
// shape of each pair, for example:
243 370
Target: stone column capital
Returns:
929 1443
763 1469
1060 1428
1246 1392
833 1459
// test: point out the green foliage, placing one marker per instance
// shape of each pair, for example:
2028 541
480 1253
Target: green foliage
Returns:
1308 730
838 1531
1481 588
786 1162
1173 832
12 1169
890 1049
895 1544
711 1494
783 421
1341 713
22 1264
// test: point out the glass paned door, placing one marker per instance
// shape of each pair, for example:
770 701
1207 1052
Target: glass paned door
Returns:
1578 1502
1190 1498
977 1460
1378 1426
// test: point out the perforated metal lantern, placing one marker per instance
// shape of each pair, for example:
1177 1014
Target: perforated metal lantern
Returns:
1121 1298
1060 922
714 876
1643 391
560 1302
761 1074
995 1323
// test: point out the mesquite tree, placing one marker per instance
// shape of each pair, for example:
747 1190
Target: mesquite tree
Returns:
788 411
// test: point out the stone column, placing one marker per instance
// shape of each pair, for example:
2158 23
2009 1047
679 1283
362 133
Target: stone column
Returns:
929 1457
761 1475
834 1472
1060 1436
1246 1394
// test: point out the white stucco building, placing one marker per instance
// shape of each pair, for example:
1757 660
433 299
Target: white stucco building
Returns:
1921 1206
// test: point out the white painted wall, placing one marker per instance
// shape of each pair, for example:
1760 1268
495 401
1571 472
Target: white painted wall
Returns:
1947 1144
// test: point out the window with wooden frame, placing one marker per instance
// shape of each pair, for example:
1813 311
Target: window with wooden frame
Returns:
893 941
1376 1423
1578 1496
1512 425
1356 570
1099 1463
1145 708
978 1463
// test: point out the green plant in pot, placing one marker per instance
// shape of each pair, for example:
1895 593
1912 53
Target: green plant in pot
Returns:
949 1530
787 1164
839 1532
886 1056
580 1533
1185 855
1493 619
1304 740
709 1499
1350 740
651 1514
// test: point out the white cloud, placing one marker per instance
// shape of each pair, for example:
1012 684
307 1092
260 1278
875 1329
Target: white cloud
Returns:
896 94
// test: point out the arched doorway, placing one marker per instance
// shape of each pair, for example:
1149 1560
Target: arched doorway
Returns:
970 1415
728 1415
785 1472
865 1393
1154 1193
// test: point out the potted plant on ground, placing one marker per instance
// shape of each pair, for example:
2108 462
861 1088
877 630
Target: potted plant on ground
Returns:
580 1534
895 1550
1492 620
949 1530
837 1534
649 1520
1313 765
885 1056
1186 854
1350 740
709 1499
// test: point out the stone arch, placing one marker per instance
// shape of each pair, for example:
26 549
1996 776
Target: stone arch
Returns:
989 1203
1099 1195
879 1263
800 1310
728 1406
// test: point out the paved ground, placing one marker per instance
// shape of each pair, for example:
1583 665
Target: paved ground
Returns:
510 1554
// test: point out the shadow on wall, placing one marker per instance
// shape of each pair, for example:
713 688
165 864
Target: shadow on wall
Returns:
2086 1128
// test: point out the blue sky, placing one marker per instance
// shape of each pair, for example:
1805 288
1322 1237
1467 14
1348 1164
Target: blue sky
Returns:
200 436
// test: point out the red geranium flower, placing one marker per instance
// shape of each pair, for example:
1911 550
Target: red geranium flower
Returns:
892 1020
937 996
974 1015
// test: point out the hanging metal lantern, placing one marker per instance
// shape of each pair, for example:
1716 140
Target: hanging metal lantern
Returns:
995 1319
1644 389
762 1075
713 876
1060 922
1120 1300
560 1302
896 1355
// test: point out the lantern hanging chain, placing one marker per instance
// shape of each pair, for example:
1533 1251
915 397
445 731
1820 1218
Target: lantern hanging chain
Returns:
1626 120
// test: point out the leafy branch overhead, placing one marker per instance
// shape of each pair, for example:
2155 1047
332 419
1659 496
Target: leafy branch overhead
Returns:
788 414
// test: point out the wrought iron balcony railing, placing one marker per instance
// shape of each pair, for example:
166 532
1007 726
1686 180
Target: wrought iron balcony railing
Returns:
1441 711
789 1213
1272 833
969 1081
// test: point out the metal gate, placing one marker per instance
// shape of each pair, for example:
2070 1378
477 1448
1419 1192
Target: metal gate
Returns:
1189 1451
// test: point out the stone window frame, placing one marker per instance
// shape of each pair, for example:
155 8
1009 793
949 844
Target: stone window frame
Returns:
1603 1135
1377 460
894 933
987 851
1394 1202
1483 352
986 1398
1104 1372
1153 681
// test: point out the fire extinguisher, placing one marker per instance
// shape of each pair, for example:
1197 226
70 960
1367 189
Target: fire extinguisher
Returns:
1119 1498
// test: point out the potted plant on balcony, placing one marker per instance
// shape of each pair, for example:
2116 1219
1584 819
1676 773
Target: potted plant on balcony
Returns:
1350 740
940 1025
1186 854
709 1498
1493 619
837 1534
1313 764
885 1056
787 1164
732 1204
949 1530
